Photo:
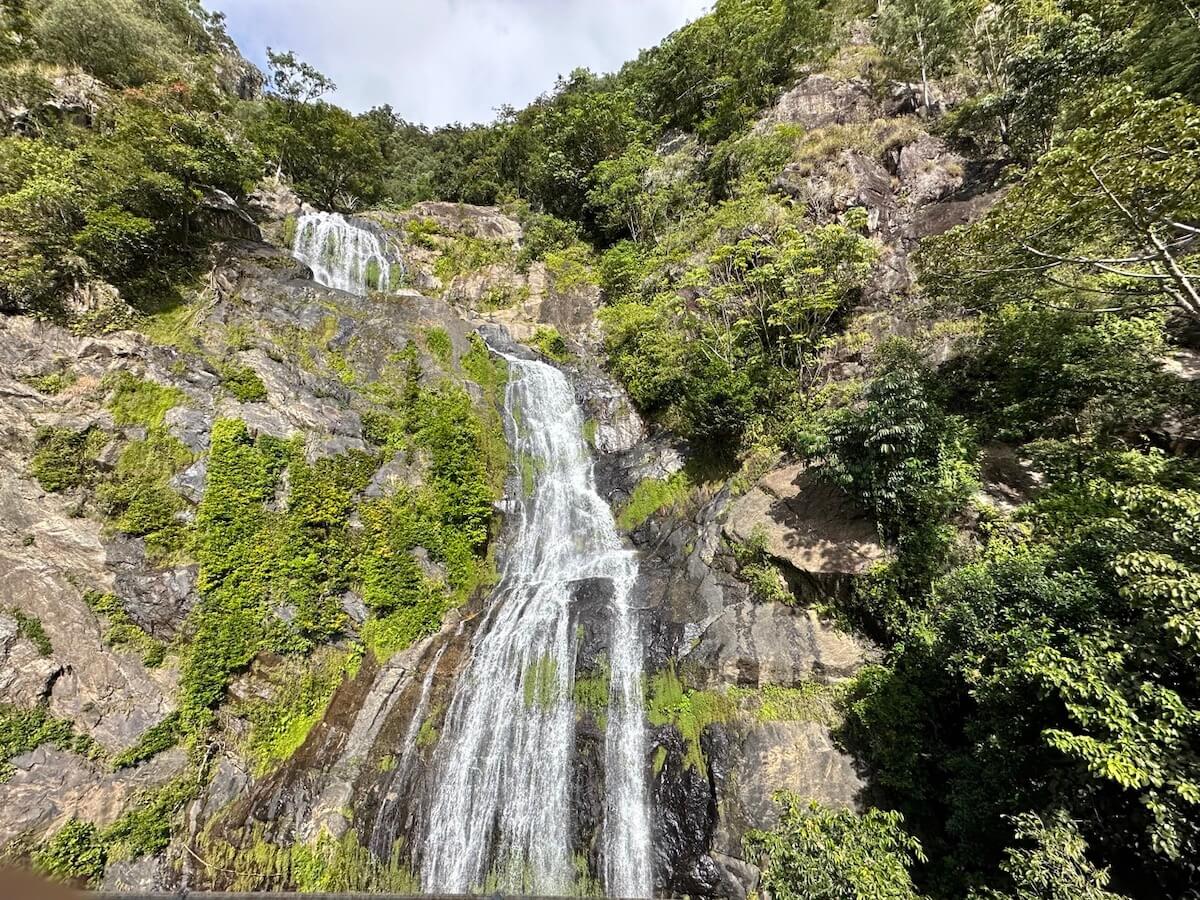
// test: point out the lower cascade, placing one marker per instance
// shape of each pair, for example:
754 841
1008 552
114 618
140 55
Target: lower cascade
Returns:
340 254
500 815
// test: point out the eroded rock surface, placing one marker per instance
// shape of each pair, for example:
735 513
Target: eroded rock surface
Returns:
808 525
48 787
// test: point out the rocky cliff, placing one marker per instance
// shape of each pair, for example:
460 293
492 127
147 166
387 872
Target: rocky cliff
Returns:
323 756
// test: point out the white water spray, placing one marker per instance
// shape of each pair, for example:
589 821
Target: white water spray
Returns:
342 255
501 806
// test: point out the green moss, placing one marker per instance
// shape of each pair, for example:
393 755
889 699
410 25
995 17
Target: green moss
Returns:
540 682
153 741
178 326
243 383
491 374
25 729
651 496
328 865
52 383
287 231
393 632
341 367
255 560
437 341
280 725
810 701
64 457
670 703
590 694
427 734
30 628
121 632
135 401
530 466
547 341
590 427
660 759
139 499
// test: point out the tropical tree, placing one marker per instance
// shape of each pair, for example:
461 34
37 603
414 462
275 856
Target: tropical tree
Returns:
838 854
924 35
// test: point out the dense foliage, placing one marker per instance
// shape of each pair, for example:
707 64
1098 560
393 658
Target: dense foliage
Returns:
1032 729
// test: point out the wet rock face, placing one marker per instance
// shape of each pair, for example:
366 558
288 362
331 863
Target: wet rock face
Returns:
587 793
591 619
684 809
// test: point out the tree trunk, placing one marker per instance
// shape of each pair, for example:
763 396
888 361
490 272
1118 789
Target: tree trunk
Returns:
924 74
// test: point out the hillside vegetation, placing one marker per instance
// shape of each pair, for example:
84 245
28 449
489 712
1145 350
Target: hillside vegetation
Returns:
1033 729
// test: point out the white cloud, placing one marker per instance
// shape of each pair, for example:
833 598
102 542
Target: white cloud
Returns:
438 61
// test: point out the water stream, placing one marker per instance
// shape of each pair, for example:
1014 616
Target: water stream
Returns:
500 815
342 255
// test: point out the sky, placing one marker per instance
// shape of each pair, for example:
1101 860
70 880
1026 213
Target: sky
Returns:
441 61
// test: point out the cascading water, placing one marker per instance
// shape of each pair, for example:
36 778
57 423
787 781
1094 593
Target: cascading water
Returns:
500 812
341 255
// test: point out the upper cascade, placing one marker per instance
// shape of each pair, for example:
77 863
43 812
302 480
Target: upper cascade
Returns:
341 254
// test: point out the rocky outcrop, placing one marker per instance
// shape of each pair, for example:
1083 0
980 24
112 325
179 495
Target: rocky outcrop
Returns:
218 216
810 527
71 97
764 757
486 222
48 787
57 547
819 100
703 622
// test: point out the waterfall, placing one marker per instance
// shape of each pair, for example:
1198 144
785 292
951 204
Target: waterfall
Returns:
341 255
500 813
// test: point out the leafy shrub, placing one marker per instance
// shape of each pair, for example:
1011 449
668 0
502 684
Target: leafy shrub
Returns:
438 342
75 854
815 851
550 343
115 241
571 268
543 234
757 570
900 454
